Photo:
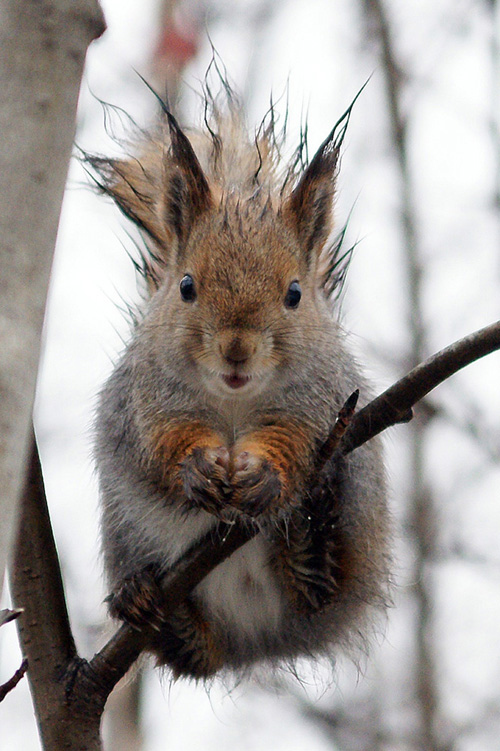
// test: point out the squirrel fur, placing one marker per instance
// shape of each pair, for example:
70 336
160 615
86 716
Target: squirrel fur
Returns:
217 408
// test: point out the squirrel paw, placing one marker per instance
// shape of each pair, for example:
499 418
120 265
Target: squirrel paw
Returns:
188 644
139 600
256 484
205 479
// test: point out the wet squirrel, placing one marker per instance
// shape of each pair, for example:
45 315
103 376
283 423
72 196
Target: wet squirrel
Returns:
216 410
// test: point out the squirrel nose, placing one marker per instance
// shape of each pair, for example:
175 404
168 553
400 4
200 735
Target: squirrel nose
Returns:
237 351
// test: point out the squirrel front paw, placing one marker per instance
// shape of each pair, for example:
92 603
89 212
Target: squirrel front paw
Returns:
256 485
204 474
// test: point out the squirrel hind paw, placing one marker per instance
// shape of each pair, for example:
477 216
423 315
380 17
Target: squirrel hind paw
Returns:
139 601
188 644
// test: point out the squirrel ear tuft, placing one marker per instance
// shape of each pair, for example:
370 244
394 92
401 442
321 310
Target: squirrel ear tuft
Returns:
309 207
132 184
187 193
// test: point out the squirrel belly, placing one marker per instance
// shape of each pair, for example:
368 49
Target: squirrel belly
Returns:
231 382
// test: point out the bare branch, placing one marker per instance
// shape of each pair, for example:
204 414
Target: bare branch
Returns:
6 616
394 405
6 687
44 629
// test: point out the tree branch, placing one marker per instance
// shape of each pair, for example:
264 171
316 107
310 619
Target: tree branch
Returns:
6 616
117 656
394 405
42 52
44 628
9 685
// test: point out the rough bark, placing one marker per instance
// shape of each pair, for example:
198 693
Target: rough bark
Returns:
42 51
44 628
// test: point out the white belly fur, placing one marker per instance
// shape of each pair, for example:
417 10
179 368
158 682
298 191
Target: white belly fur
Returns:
242 592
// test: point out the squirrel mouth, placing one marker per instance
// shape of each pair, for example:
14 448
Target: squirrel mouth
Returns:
235 381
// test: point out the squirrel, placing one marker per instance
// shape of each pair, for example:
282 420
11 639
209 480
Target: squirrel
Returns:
220 402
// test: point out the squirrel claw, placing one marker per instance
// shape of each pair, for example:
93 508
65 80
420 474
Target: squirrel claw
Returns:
256 484
205 478
220 457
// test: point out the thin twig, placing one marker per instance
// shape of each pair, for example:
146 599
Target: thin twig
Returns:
394 405
337 433
6 687
6 616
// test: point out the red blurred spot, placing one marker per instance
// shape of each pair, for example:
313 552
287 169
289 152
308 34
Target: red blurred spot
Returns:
178 47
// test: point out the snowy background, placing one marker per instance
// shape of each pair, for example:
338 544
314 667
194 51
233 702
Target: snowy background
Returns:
323 51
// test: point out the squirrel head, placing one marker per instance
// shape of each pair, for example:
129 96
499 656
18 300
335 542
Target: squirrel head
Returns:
242 288
240 269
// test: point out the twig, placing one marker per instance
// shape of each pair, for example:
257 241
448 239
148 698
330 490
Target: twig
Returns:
395 404
12 682
6 616
337 433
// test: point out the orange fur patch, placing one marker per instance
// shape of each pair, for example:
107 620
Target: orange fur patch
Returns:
290 453
173 442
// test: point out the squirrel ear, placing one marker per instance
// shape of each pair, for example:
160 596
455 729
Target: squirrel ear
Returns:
309 206
132 184
163 200
187 193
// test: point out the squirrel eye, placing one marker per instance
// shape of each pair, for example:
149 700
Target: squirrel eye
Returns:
187 288
293 295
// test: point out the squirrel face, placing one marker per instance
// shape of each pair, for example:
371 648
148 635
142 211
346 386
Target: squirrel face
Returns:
240 267
238 295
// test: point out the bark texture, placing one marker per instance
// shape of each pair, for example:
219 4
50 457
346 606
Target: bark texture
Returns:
42 52
44 629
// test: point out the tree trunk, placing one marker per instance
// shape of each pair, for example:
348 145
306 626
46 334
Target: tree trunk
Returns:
42 52
44 628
